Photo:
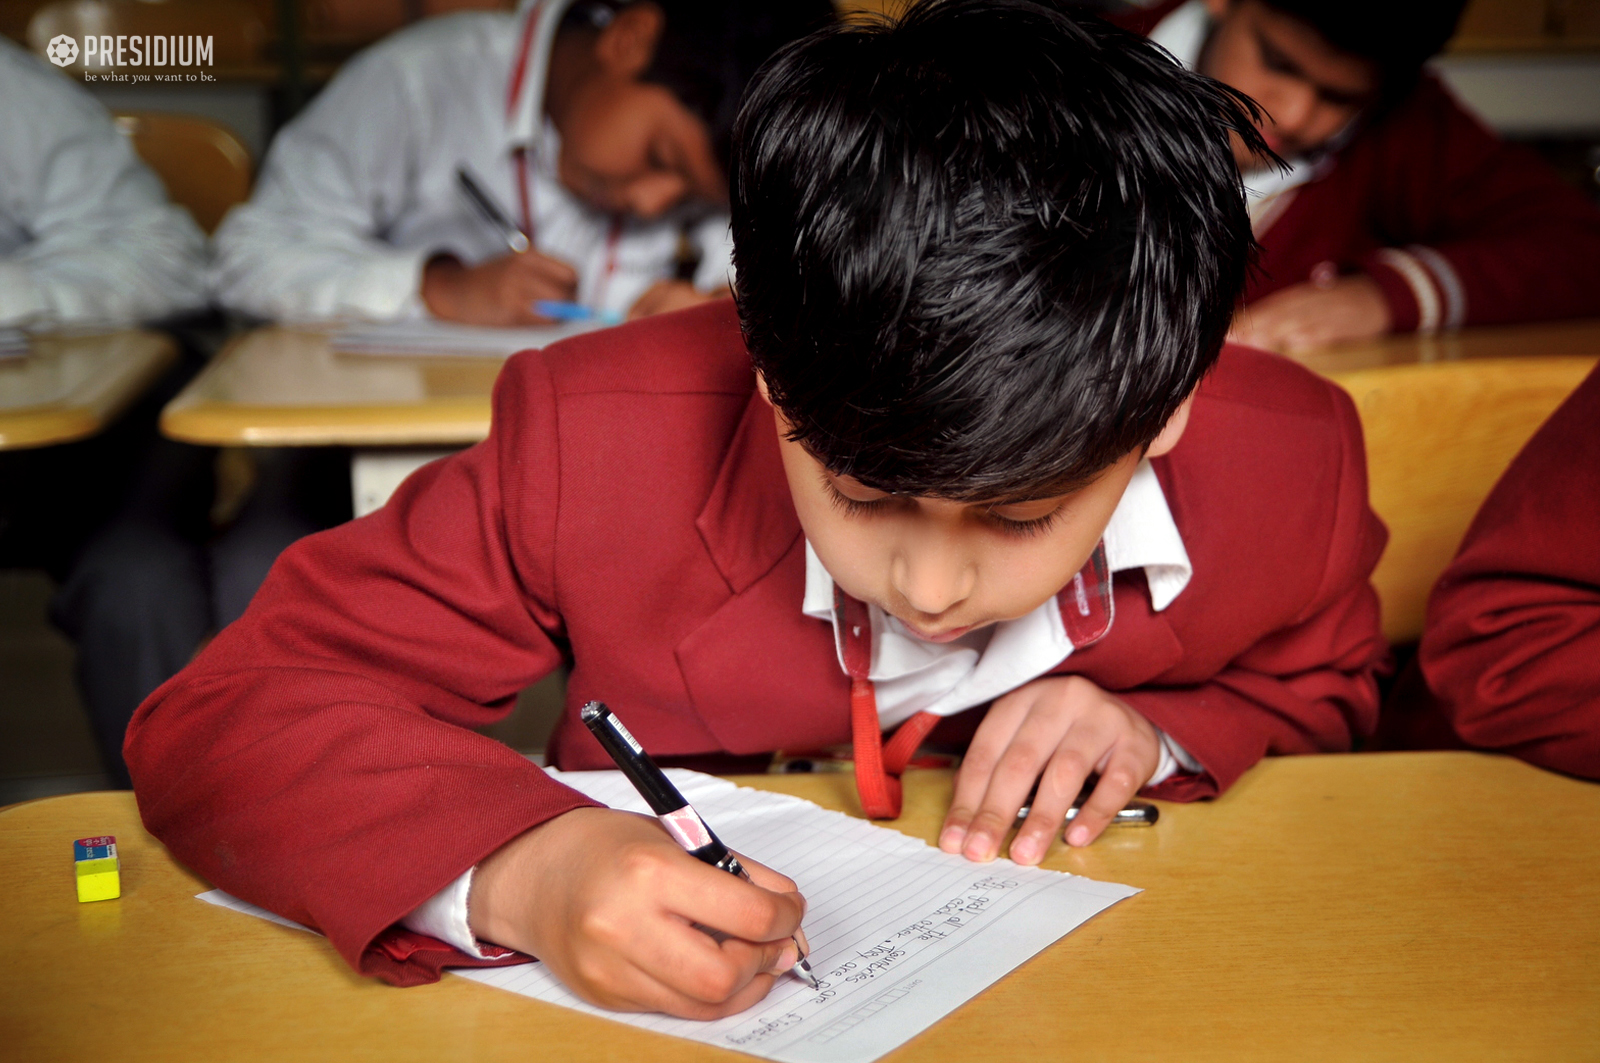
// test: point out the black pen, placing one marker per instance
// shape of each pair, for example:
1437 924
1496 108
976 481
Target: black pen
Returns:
675 813
514 237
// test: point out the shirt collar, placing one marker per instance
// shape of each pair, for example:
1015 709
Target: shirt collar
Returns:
530 67
1141 534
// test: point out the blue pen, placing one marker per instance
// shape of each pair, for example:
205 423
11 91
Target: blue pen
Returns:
558 310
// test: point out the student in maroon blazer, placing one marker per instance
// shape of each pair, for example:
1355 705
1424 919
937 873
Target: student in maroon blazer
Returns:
964 446
1511 651
1401 213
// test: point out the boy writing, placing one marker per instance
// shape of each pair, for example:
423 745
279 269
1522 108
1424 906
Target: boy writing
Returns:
1399 212
599 126
986 256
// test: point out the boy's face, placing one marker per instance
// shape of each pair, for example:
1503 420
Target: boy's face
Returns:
627 147
1309 89
632 148
941 567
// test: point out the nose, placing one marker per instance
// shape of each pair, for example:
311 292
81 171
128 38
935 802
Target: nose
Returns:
1293 108
931 573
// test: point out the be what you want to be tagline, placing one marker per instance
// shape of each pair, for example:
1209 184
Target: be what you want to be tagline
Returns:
135 58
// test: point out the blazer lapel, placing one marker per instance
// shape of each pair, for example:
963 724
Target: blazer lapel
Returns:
760 673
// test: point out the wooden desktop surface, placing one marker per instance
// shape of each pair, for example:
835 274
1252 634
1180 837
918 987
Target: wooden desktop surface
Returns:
70 387
1383 906
288 387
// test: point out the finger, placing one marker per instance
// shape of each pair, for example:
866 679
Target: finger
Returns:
1059 785
1037 743
1120 779
703 968
978 764
551 270
632 988
702 894
768 879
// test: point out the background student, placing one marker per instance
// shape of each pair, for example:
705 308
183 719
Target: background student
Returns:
975 451
358 213
1400 212
600 126
1511 652
88 238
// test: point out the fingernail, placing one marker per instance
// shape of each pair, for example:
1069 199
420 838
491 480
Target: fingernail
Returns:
1078 836
952 837
788 956
1025 851
980 847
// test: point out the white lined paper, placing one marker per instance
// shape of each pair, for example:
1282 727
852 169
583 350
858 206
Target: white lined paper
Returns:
901 934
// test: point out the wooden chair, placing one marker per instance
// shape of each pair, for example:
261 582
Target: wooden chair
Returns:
236 29
1438 437
203 165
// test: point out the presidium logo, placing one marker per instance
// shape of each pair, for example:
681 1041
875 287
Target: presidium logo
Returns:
107 53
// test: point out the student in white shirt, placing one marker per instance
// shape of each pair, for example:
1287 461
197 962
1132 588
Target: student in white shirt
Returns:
88 238
596 125
86 233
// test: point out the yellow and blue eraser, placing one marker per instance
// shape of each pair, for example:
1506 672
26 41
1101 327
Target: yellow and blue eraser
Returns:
99 870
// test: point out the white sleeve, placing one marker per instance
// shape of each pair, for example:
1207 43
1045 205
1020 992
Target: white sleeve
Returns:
444 916
309 245
98 241
714 239
1174 758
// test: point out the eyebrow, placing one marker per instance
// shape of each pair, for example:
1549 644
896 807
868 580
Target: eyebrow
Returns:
1275 58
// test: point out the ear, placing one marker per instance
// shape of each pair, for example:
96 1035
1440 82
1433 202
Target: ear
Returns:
1173 431
627 46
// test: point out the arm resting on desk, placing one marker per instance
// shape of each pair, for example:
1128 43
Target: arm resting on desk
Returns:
1512 645
318 759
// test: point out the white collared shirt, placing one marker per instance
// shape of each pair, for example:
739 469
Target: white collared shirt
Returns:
910 675
87 235
360 190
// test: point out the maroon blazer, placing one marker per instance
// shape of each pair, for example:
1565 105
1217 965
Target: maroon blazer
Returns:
629 516
1516 242
1511 651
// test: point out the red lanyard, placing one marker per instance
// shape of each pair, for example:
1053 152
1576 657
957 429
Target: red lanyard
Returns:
1086 613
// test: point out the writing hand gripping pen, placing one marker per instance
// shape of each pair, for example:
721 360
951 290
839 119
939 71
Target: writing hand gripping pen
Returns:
676 814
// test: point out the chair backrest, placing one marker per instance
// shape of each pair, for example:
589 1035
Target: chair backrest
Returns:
1439 435
235 27
203 165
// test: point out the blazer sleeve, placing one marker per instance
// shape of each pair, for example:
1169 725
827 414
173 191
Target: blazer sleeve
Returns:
318 758
1479 231
1511 651
1307 687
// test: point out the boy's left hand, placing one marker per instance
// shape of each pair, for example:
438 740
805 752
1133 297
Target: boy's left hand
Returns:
666 296
1057 730
1303 317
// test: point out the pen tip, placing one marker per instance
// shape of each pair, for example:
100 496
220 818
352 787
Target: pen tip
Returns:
803 969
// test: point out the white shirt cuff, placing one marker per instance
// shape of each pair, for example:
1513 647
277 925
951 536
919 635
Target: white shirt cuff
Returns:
444 916
1174 758
21 301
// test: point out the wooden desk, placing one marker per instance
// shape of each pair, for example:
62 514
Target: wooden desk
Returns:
71 386
288 387
1380 906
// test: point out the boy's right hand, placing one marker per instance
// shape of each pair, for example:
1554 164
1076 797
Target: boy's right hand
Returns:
501 291
610 902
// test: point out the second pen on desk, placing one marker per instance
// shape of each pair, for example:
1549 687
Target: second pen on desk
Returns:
676 814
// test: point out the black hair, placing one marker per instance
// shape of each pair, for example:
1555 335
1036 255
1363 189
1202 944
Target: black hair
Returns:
1397 38
987 250
710 49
